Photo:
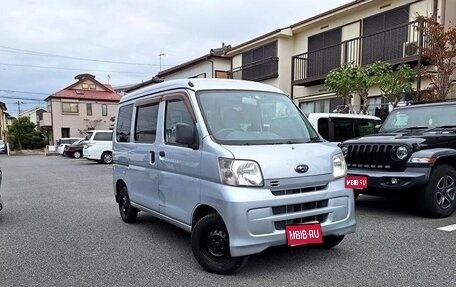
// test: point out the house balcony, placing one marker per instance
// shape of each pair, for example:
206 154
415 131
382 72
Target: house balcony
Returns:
257 71
45 120
397 45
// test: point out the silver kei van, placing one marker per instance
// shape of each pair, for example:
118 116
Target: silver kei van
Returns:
235 163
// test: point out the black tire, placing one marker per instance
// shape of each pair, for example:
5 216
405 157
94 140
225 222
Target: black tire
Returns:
330 241
438 197
128 213
211 248
106 157
77 154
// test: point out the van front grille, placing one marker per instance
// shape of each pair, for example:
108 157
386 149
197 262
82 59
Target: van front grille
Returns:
285 209
298 190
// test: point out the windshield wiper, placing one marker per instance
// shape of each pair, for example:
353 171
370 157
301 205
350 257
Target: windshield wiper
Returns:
445 127
411 129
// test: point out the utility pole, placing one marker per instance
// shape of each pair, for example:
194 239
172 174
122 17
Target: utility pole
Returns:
162 55
19 108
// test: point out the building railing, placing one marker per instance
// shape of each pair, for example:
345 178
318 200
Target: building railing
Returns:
398 44
257 71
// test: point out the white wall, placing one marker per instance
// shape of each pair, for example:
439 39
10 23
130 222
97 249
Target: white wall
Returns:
207 67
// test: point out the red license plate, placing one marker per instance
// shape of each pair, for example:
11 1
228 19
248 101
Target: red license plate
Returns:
304 234
356 182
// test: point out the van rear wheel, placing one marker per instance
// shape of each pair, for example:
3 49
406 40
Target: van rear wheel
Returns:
106 157
211 247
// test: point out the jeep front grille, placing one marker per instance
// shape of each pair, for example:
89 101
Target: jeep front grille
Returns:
371 156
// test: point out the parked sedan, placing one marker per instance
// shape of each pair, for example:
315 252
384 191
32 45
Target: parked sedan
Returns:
3 148
75 150
1 203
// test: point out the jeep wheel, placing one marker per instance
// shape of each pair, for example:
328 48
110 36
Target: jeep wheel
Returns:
106 157
211 248
438 197
128 213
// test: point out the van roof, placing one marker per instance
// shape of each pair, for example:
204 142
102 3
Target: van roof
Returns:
199 85
341 115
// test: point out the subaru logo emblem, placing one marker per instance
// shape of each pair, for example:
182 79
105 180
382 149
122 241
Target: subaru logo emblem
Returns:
302 168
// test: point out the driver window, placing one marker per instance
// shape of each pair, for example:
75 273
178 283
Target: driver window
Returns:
176 112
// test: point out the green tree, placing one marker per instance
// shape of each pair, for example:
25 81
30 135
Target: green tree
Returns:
341 81
394 82
22 134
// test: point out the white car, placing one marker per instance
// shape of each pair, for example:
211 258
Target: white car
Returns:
63 142
337 127
98 146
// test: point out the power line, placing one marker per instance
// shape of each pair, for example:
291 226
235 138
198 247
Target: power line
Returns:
34 53
23 92
73 69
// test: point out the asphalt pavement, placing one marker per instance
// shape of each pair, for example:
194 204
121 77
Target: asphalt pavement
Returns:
61 227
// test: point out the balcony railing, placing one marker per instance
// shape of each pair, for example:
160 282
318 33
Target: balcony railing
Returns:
395 45
257 71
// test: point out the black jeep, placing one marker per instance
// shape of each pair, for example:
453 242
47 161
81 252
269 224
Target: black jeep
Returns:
414 154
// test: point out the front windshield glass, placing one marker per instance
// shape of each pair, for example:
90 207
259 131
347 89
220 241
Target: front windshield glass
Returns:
248 117
419 118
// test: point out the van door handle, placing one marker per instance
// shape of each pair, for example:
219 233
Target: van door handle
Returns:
161 153
152 157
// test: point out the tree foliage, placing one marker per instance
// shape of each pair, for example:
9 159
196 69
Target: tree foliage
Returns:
395 82
22 135
439 50
350 80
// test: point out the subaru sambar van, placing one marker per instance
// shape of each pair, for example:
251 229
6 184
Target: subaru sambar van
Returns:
235 163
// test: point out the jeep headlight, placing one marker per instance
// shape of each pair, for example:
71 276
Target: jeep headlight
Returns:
402 152
339 166
240 172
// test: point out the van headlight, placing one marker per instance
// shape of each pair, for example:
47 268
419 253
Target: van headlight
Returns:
240 172
339 166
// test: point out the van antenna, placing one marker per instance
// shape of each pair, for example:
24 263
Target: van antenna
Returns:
190 84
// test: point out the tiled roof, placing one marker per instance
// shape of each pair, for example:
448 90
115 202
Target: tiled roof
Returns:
87 95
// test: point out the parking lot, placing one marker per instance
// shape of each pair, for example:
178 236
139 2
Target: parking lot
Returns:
61 227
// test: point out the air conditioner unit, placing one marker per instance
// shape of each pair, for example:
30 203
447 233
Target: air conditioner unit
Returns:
410 49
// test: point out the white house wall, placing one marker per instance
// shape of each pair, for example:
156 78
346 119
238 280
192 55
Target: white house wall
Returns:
206 68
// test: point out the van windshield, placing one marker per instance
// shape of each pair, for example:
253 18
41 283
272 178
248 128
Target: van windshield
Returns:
250 117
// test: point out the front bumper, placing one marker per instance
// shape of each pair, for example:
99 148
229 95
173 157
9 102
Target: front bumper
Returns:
382 180
256 218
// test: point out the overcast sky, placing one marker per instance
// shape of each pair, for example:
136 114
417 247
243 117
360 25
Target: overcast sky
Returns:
43 43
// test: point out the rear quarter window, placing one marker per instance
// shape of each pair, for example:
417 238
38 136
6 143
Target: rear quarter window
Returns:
103 136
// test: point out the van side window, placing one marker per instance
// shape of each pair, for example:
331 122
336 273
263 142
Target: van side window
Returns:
323 128
146 123
176 112
124 123
366 127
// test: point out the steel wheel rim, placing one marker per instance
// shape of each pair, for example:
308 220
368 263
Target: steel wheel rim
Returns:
123 205
77 154
445 192
215 244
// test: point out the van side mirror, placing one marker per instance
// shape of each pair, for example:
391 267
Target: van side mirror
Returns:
185 134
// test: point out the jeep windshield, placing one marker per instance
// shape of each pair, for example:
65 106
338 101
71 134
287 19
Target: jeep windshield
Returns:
417 119
254 118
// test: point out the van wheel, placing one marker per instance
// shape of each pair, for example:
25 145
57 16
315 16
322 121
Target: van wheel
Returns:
438 197
106 157
211 246
128 213
77 154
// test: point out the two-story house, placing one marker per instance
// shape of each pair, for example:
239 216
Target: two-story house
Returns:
84 105
33 114
212 65
297 58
